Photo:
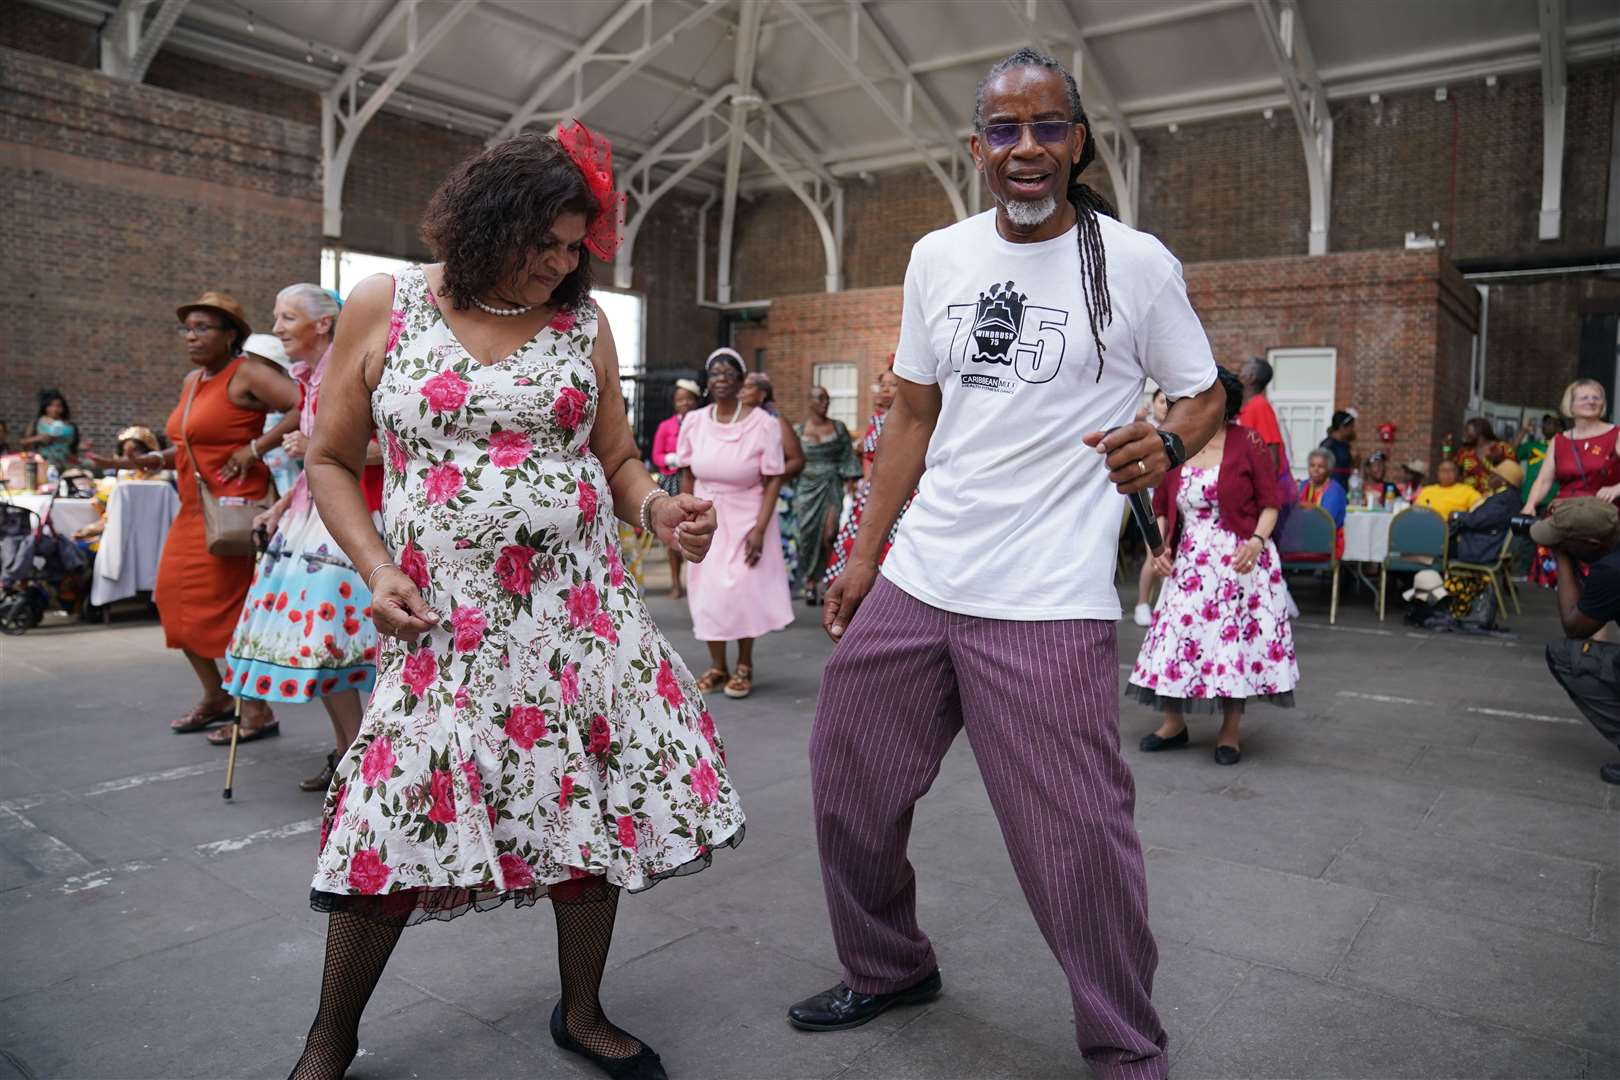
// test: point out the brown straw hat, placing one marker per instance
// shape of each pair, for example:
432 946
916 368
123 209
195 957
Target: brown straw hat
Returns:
221 304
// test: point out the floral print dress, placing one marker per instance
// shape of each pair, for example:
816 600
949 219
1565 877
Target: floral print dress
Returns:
544 730
1216 634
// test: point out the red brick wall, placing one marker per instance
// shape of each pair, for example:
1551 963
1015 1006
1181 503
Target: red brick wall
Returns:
44 33
124 201
858 326
1535 335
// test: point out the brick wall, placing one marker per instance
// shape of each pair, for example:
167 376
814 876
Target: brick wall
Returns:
124 201
858 326
1535 335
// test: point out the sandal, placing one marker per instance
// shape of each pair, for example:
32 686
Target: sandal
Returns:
199 719
712 680
742 683
222 737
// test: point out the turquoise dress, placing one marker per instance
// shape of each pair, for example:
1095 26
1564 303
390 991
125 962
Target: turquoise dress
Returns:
59 451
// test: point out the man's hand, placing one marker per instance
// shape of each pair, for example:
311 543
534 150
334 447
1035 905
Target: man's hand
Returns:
685 523
845 596
1135 455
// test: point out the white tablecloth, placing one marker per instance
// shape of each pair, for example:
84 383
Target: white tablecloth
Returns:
1366 535
67 515
139 514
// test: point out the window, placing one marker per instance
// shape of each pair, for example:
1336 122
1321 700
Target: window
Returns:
342 270
843 385
1301 393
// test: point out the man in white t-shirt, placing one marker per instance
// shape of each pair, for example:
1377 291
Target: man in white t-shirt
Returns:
1028 332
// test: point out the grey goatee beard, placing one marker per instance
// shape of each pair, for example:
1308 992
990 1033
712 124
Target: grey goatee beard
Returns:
1027 214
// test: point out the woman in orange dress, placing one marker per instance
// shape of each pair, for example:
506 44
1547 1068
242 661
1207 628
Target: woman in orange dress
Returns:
199 596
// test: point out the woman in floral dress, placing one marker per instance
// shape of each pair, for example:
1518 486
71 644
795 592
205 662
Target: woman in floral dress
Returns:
1220 636
882 397
531 734
305 632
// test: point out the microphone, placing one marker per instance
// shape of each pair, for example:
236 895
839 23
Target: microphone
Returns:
1142 511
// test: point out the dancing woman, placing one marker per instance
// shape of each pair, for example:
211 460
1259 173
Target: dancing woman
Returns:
830 468
532 734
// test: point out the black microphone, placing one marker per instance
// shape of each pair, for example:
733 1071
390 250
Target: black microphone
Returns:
1142 511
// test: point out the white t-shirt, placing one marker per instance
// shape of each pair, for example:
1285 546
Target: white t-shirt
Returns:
1015 517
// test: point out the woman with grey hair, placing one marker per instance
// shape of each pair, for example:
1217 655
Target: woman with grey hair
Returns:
306 629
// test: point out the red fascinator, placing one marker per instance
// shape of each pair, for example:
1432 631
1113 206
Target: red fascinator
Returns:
594 157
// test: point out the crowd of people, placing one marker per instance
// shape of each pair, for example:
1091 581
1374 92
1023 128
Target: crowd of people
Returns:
440 564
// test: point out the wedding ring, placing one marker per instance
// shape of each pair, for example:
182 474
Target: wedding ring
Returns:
1142 465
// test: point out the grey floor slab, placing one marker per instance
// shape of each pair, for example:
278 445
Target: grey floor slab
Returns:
1515 773
1293 922
1505 884
947 1045
1529 823
1274 832
1280 1025
1531 980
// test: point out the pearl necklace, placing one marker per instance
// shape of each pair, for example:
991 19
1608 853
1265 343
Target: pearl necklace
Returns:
736 410
502 311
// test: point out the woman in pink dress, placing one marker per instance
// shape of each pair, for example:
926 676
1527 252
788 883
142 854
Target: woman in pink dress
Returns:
667 462
732 455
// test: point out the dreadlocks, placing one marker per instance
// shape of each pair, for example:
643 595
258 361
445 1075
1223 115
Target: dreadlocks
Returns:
1086 201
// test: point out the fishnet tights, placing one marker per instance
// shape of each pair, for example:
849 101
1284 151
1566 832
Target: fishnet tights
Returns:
585 915
357 949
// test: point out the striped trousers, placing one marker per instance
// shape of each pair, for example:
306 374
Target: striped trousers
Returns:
1040 702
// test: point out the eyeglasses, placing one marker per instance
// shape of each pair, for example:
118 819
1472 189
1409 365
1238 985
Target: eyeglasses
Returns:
197 329
1047 132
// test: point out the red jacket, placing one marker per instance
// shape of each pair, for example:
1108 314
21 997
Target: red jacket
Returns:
1247 485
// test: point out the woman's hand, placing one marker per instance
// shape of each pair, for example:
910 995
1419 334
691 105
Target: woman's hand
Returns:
1164 563
685 523
398 608
269 519
1609 493
753 544
295 443
240 461
1248 553
103 462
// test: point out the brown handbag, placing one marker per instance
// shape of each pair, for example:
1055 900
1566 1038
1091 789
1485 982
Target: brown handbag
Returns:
227 520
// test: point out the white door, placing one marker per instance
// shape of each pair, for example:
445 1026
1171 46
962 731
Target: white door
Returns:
1302 394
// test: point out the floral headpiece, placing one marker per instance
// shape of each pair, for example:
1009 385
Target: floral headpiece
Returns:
593 155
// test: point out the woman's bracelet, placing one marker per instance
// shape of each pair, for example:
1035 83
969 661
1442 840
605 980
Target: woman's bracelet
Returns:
372 576
644 518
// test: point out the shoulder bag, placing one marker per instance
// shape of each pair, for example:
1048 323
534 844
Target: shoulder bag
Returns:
227 520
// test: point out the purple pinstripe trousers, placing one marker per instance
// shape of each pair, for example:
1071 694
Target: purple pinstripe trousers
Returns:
1041 707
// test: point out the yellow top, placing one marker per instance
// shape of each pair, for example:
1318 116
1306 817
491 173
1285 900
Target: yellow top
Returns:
1450 499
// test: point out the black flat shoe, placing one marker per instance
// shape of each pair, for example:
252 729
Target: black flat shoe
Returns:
1228 755
1152 744
642 1065
841 1007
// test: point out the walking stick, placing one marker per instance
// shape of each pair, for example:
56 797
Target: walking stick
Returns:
230 762
260 542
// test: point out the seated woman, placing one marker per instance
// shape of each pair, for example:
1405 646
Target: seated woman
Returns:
133 442
1321 489
1413 474
1448 495
1373 479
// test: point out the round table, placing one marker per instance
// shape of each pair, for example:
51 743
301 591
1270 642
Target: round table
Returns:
1366 535
67 515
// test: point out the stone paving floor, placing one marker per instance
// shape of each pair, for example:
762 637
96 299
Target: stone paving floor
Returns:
1413 874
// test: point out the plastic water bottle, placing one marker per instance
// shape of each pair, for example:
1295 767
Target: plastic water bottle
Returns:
1355 489
51 477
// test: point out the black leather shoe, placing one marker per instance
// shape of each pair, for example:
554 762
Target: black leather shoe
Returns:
323 779
1610 773
841 1007
1228 755
1151 743
643 1065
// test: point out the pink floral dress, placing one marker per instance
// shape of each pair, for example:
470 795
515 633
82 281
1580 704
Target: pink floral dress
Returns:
1216 633
545 730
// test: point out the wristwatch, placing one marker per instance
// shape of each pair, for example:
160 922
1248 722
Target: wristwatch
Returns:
1174 448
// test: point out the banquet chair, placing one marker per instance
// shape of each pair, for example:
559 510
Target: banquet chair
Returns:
1490 570
1413 533
1309 541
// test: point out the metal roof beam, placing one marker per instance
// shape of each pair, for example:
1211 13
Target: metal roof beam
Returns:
1554 94
1121 154
340 104
916 93
816 31
746 53
128 47
570 68
829 236
1285 35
